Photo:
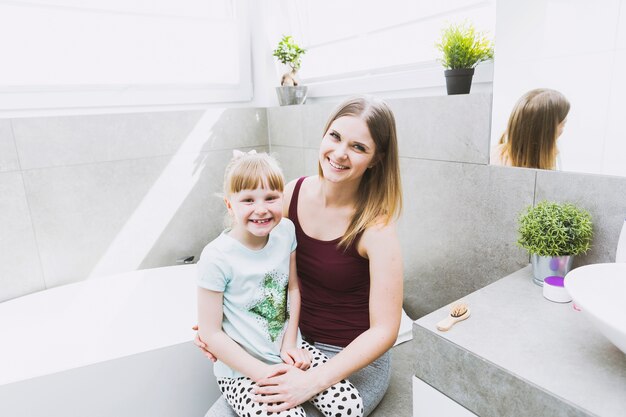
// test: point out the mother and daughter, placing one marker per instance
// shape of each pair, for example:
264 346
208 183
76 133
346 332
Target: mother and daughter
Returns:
307 331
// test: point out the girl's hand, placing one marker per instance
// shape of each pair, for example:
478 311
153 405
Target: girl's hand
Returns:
202 346
287 387
300 358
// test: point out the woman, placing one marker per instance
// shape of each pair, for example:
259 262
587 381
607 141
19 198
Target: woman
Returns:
535 124
348 260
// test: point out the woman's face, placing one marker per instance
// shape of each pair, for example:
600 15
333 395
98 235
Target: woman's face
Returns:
347 150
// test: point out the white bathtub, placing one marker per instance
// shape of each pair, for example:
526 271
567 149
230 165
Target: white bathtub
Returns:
116 346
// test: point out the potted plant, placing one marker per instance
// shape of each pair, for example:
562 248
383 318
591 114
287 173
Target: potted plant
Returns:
289 53
553 234
463 48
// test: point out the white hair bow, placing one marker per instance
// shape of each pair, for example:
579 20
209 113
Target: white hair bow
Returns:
238 154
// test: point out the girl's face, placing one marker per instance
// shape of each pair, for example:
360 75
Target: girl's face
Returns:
347 150
255 213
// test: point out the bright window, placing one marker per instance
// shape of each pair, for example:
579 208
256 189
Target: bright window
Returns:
86 53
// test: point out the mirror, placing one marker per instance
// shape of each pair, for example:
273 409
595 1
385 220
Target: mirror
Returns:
578 48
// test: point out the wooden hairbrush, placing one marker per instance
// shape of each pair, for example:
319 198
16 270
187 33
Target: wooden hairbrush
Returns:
458 312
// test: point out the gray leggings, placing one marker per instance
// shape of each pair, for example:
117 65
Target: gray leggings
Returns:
371 382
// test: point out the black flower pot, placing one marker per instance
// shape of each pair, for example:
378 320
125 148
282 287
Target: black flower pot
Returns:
459 81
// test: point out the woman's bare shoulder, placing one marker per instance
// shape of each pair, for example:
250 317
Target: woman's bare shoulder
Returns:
380 235
382 227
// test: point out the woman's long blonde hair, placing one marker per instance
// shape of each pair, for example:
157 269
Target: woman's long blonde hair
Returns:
379 196
530 137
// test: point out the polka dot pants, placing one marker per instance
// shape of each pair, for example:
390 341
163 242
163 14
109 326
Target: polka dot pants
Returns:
339 400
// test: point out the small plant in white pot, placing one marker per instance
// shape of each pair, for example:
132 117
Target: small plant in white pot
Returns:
462 48
289 53
553 234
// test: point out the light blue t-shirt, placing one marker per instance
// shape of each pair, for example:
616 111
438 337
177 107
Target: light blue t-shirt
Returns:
254 283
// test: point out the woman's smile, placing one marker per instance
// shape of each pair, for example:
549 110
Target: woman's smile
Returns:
336 165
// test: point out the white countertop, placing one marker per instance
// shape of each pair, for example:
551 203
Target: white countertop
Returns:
96 320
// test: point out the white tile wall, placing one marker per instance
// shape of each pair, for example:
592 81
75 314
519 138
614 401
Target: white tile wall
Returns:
614 150
20 269
620 42
8 154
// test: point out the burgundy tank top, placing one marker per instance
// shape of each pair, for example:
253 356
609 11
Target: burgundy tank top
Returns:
334 286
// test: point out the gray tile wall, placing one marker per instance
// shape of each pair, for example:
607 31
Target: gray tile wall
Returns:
445 128
458 229
94 195
459 225
603 196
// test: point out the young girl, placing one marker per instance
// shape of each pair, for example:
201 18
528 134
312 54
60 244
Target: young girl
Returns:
248 295
535 124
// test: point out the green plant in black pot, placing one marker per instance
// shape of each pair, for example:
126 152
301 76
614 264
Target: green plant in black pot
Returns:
553 233
462 48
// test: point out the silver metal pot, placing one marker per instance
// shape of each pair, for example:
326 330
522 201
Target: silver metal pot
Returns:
546 266
290 95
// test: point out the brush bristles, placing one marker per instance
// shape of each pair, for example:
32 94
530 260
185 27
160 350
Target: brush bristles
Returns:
458 310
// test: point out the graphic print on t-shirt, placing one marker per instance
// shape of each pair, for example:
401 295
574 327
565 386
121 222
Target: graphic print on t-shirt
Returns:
272 306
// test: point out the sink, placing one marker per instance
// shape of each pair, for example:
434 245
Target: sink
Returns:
600 291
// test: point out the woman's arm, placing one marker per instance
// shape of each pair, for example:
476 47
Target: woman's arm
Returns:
292 386
210 314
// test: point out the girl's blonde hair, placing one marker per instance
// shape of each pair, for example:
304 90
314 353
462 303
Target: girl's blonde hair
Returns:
379 197
530 137
249 171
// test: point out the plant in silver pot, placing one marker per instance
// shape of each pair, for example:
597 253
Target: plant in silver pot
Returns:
463 48
553 233
289 53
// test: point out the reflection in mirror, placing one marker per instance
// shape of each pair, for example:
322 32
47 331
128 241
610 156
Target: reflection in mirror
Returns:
579 49
535 125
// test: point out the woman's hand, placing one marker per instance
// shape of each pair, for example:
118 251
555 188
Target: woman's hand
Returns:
287 387
202 346
300 358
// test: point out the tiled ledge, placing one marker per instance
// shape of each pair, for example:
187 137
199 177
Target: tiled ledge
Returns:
521 355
